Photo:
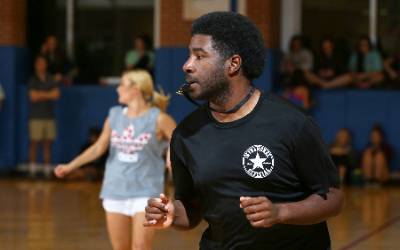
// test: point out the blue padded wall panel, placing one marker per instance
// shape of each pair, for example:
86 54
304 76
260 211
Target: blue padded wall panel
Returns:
359 111
330 112
13 71
363 110
82 107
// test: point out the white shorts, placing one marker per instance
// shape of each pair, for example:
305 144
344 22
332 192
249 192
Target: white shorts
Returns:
128 207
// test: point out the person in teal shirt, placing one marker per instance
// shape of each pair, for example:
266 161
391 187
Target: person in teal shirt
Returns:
140 57
365 68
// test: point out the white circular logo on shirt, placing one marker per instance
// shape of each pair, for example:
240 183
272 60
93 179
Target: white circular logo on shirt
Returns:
258 161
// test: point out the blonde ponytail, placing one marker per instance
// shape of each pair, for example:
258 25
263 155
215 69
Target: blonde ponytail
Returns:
160 100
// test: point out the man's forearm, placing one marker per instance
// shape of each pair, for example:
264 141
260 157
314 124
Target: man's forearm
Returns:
50 95
181 218
314 209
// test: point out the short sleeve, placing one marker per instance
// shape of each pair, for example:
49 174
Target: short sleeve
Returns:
111 112
185 190
308 60
113 115
183 181
314 166
377 63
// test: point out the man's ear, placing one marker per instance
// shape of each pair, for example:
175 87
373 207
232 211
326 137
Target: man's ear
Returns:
235 63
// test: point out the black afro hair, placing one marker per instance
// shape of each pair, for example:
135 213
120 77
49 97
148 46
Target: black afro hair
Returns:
233 34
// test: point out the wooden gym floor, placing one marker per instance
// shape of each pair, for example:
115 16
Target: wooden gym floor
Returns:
47 215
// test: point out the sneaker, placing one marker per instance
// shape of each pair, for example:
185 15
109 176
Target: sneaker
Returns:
32 170
48 171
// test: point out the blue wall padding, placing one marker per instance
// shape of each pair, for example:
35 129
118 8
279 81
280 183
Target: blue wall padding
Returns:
14 63
82 107
359 111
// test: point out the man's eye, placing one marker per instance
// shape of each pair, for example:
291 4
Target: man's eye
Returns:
199 57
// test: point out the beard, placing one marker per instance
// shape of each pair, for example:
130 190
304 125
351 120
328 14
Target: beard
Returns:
214 88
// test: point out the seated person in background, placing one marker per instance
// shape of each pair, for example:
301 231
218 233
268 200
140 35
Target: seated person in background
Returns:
297 59
92 170
140 57
376 157
365 66
298 92
343 154
59 65
2 97
392 71
328 65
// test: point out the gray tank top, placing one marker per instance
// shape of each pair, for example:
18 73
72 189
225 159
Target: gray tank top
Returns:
135 166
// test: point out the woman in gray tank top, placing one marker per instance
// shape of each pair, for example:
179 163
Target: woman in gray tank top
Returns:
136 136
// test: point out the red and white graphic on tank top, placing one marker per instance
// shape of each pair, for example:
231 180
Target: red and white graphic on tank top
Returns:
127 145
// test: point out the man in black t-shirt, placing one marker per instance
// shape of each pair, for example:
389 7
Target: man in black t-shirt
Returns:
254 167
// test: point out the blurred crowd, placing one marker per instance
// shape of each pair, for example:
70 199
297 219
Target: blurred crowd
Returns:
365 67
302 70
52 69
370 166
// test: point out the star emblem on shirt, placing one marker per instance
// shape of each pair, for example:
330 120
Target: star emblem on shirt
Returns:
258 162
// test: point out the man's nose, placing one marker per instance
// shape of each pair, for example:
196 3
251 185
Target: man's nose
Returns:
188 66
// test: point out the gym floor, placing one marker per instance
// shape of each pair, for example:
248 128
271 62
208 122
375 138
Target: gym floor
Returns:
47 215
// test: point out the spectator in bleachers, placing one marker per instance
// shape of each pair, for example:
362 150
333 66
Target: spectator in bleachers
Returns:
365 67
298 58
59 66
376 157
2 96
328 65
140 57
295 63
392 71
298 92
43 91
343 154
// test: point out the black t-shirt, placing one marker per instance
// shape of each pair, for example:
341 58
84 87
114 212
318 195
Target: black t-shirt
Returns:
42 109
275 151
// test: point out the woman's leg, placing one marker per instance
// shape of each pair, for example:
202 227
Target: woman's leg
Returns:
381 167
367 164
342 173
33 144
142 238
47 152
47 169
119 230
